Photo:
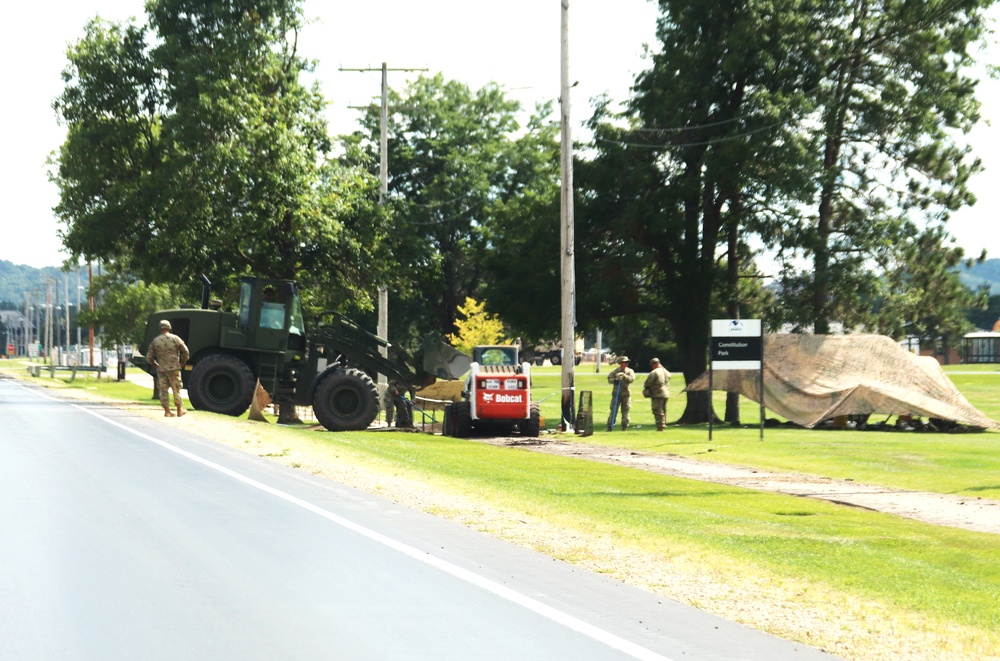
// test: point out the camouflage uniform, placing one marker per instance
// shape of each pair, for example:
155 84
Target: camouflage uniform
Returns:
395 405
168 353
624 375
656 385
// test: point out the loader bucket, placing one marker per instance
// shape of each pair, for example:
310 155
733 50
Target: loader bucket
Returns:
443 360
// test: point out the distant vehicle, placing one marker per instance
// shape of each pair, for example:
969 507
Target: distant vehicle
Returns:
550 352
590 356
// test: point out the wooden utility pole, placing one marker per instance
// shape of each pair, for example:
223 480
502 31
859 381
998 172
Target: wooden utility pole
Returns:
90 302
383 294
48 321
597 351
28 334
78 288
567 268
66 291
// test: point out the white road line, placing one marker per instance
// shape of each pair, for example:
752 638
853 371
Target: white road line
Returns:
556 615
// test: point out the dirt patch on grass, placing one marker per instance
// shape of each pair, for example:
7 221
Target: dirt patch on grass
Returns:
965 512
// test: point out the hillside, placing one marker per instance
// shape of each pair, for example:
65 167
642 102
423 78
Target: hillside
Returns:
18 280
987 273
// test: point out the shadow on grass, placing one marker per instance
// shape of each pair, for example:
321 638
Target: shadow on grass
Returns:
656 494
995 487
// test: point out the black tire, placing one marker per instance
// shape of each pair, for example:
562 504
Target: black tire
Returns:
462 413
346 400
222 384
532 427
555 359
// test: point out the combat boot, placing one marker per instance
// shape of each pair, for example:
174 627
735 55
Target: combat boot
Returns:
167 413
180 411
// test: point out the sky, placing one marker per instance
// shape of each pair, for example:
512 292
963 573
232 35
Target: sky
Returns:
517 46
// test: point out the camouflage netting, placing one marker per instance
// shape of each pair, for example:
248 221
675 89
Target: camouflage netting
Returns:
811 378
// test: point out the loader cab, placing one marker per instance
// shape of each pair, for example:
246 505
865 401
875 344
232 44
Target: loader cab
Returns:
494 355
270 311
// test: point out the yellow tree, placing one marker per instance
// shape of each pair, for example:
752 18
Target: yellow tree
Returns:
476 327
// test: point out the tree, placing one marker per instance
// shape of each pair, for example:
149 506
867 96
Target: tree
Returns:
125 305
891 101
192 147
701 145
985 318
925 297
476 327
459 162
521 267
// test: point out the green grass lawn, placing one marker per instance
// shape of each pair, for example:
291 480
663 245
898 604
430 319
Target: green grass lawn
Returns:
943 573
960 463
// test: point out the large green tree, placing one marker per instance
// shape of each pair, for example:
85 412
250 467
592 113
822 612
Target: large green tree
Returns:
460 163
124 305
925 297
893 100
193 147
706 142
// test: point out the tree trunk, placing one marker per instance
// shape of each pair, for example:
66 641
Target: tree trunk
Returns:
835 127
733 309
692 331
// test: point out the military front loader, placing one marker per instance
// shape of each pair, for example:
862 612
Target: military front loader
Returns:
330 367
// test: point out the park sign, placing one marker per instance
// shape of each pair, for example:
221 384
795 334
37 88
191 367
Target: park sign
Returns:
737 344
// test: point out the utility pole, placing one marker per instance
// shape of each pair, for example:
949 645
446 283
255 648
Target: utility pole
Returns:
383 293
90 301
567 267
27 322
66 291
597 351
78 288
48 321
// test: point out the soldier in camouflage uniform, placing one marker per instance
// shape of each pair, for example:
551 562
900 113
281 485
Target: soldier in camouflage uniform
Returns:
395 405
657 388
621 378
168 353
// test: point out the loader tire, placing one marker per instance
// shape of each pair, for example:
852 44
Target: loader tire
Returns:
222 384
462 412
346 400
533 425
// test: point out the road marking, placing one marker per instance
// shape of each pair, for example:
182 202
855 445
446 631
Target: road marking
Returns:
502 591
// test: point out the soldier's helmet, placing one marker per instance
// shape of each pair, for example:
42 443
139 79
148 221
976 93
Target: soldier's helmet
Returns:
165 324
623 359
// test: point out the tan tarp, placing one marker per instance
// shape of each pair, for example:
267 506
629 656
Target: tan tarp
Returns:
261 400
811 378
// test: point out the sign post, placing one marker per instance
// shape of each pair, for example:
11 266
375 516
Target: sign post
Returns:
737 344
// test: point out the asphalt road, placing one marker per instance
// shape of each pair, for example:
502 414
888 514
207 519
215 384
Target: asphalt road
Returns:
121 538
